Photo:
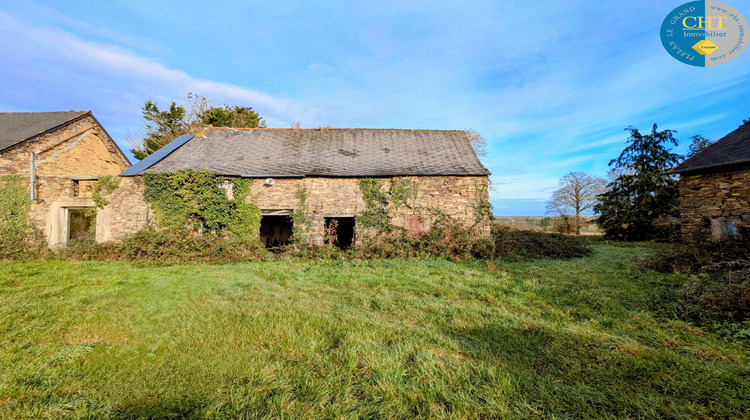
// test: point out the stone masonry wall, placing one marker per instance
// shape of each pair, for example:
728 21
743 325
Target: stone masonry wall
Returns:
715 195
126 212
454 196
78 152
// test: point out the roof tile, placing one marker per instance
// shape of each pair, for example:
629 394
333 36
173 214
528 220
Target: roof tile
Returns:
326 152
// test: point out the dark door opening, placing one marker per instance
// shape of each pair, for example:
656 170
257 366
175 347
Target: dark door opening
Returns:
339 231
275 231
81 225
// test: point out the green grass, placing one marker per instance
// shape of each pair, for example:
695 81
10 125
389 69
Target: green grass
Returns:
349 339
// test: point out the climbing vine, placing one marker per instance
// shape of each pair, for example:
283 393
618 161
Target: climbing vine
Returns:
105 186
201 201
482 207
301 221
401 192
15 204
376 213
380 201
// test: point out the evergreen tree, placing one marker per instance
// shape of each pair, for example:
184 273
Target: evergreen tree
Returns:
162 127
643 192
233 116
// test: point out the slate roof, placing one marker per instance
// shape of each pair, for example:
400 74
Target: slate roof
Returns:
16 127
732 149
260 153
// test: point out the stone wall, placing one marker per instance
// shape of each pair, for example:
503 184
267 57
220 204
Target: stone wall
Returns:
67 160
452 196
126 212
711 198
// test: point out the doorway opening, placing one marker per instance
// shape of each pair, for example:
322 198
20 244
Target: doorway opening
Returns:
81 224
275 231
339 231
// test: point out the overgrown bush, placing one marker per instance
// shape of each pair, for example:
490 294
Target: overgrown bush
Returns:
458 243
692 256
18 239
528 244
714 289
171 246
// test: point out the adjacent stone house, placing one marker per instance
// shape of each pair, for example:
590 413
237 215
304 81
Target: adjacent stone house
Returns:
60 156
442 172
715 188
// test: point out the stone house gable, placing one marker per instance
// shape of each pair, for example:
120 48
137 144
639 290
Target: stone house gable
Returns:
59 156
715 188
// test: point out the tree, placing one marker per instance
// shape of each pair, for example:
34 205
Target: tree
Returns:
699 144
162 127
643 192
478 142
233 116
577 194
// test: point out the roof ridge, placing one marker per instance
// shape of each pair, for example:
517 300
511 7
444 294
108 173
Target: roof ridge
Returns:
325 128
48 112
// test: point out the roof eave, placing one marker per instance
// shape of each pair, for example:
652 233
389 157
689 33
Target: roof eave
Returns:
677 170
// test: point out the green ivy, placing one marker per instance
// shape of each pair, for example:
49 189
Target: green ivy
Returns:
245 221
198 200
301 220
376 213
105 186
15 204
482 207
401 192
379 202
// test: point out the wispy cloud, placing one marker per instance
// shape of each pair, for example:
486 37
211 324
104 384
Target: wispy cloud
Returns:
128 78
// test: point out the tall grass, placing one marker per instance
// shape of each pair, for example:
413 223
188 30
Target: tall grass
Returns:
348 339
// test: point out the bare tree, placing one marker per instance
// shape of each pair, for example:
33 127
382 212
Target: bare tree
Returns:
698 145
576 195
478 142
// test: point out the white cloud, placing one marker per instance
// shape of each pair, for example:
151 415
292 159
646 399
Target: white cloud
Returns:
134 78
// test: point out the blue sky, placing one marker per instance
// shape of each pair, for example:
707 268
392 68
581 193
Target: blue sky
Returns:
550 84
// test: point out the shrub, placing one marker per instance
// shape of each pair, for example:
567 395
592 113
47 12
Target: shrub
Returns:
523 243
458 243
692 256
172 246
18 239
720 293
714 291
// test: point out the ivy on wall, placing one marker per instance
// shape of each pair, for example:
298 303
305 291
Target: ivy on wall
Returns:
203 201
482 207
104 186
301 220
380 200
15 204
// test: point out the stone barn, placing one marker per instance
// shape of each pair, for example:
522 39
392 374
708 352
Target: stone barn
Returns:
715 188
439 170
60 156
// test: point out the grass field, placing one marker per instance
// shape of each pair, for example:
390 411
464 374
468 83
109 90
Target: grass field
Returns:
353 339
